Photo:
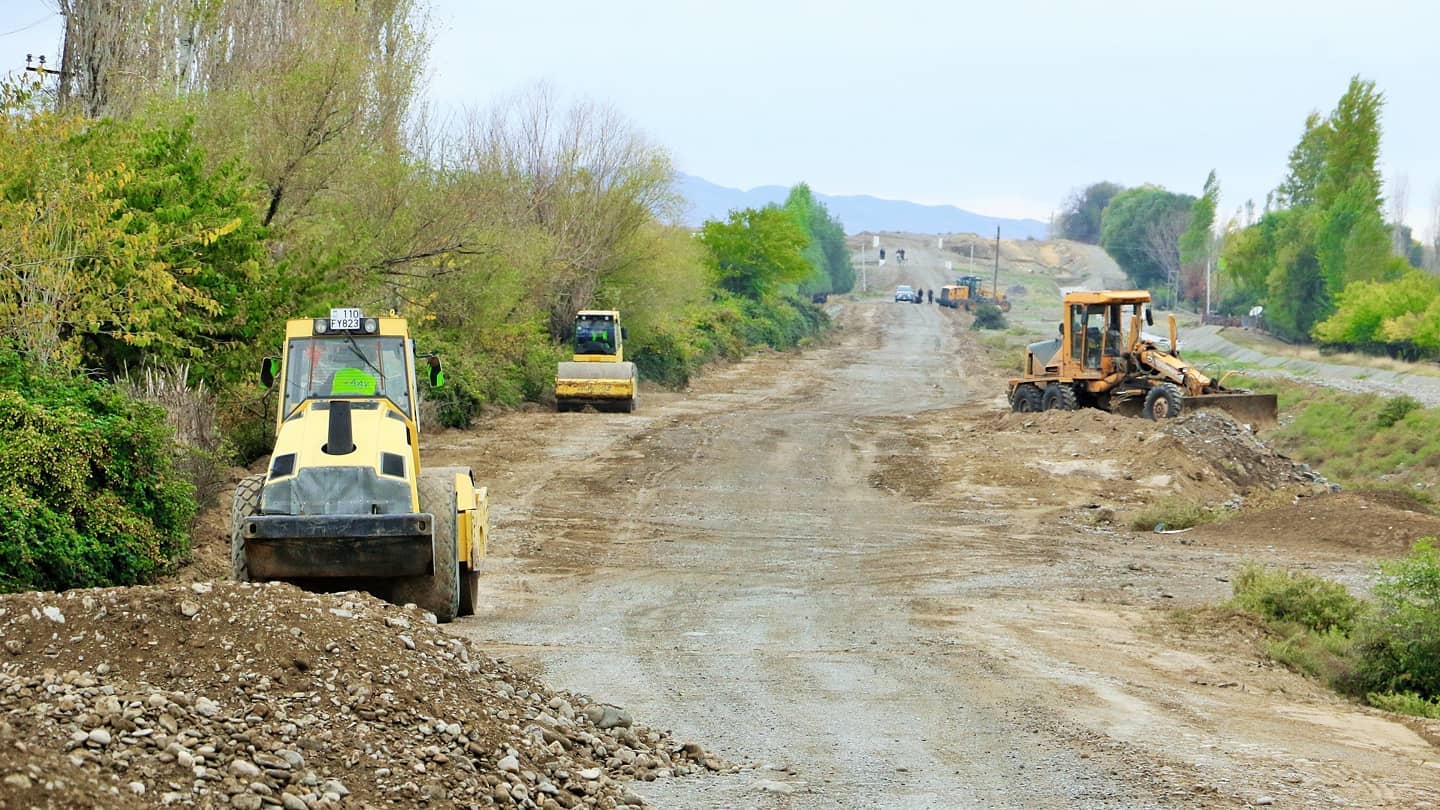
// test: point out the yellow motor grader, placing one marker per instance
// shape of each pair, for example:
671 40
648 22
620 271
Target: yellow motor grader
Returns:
1100 361
970 291
345 503
598 375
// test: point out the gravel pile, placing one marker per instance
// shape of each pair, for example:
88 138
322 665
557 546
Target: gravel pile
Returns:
259 696
1234 451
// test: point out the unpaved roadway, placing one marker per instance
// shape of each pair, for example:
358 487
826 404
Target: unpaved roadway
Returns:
849 568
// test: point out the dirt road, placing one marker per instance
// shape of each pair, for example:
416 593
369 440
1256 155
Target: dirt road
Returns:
851 569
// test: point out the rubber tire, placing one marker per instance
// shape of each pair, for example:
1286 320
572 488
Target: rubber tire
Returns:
1028 399
469 590
1059 397
245 504
439 594
1168 397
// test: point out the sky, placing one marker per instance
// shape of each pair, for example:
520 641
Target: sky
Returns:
1002 108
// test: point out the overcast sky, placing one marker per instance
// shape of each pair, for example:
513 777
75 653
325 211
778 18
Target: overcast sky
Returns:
1001 108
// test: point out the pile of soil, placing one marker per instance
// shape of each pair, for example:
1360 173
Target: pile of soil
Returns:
253 696
1203 446
1234 451
1376 523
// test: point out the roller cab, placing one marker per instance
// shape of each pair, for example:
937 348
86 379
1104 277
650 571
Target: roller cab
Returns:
345 502
598 375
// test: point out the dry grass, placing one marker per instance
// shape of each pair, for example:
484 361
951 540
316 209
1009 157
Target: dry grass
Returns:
203 456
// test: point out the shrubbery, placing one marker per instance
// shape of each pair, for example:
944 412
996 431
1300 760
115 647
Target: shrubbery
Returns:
90 495
1172 513
988 316
724 329
1386 651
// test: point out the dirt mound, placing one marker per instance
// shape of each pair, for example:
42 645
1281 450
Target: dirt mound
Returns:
1376 523
1210 439
1053 422
1235 452
264 695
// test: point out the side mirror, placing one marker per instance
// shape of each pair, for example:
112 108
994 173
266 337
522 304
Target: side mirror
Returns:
269 368
1149 317
437 377
624 333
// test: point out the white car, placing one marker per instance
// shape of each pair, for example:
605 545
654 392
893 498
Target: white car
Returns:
905 293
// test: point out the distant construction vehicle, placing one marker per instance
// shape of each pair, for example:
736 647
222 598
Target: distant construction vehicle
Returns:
598 375
968 292
1098 361
345 503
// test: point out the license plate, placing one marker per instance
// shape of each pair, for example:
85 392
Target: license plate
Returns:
345 318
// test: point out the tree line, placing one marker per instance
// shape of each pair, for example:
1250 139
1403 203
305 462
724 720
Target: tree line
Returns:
1320 259
210 169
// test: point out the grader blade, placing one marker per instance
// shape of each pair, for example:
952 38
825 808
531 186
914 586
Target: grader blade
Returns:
1259 410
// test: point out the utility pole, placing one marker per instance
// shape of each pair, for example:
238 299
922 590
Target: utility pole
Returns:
995 290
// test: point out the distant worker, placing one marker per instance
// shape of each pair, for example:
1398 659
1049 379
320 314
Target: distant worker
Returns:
882 254
900 254
930 294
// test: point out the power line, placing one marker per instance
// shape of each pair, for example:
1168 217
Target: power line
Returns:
31 25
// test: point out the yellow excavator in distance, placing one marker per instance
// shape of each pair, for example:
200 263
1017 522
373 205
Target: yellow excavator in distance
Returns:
598 375
1096 361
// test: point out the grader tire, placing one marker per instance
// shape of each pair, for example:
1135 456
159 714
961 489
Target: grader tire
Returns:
439 594
1059 397
1163 402
246 503
1027 399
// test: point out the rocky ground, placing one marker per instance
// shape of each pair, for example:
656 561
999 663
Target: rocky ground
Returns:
250 696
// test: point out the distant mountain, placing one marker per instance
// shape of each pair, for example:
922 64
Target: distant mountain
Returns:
859 212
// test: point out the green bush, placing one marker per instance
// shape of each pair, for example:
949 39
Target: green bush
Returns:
89 495
455 404
661 358
1172 513
988 316
1398 647
1306 600
725 328
1405 703
1395 409
1328 656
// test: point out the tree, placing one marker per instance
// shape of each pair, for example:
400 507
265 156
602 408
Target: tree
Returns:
1080 215
1197 241
310 83
1352 240
827 253
754 252
1370 314
1307 165
585 178
117 243
1248 259
1296 294
1142 229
